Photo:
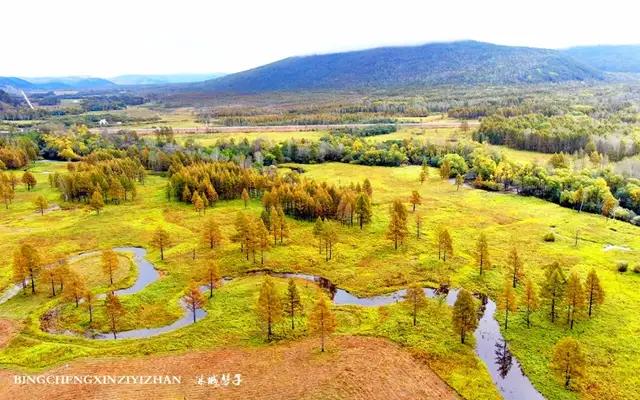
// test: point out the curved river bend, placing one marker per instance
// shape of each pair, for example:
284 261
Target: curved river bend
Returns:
491 347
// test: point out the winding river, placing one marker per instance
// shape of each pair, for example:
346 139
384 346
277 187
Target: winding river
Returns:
491 347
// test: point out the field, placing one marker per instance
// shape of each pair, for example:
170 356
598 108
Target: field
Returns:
210 139
364 264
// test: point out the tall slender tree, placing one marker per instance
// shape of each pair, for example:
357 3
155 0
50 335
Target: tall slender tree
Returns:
366 187
193 299
418 220
397 230
89 300
212 276
186 194
198 204
516 267
508 303
62 273
7 193
595 292
363 209
115 311
269 306
568 361
574 298
211 232
415 199
292 302
530 300
109 263
41 204
245 197
465 316
161 240
26 264
322 321
482 253
262 239
445 243
415 299
553 287
459 181
424 175
330 237
96 203
274 220
318 232
49 275
241 225
445 169
284 227
75 288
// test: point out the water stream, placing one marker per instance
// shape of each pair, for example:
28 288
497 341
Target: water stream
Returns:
491 347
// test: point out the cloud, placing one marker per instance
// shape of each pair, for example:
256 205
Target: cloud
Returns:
110 38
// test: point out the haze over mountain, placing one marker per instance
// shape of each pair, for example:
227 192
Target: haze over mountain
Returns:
142 79
465 62
610 58
453 63
94 83
56 83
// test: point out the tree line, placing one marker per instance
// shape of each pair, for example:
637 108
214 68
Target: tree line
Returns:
112 180
565 133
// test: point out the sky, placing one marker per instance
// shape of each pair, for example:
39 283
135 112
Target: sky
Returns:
109 38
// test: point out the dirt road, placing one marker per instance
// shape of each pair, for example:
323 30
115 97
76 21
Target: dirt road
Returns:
352 368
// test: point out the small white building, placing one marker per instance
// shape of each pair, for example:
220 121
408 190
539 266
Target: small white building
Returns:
103 122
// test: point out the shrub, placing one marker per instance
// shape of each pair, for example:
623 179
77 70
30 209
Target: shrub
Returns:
550 237
488 185
623 266
622 214
636 269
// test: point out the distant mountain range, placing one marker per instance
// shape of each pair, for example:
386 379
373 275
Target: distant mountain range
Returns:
91 83
57 83
622 58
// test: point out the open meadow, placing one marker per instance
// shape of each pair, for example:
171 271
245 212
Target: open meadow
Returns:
364 263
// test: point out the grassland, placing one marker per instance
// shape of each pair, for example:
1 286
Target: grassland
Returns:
365 263
210 139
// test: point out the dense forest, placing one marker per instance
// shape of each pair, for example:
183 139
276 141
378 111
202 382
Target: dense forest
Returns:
556 134
593 188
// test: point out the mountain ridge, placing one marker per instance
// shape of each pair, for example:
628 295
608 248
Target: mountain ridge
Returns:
609 58
462 62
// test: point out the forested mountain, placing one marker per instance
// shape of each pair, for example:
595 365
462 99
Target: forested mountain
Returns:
15 83
623 58
7 101
466 62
